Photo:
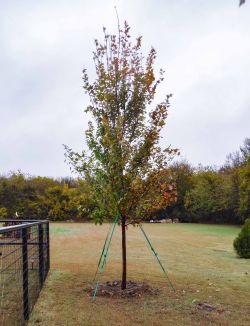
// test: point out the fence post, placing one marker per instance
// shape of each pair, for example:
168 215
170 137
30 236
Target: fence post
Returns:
25 275
48 247
41 260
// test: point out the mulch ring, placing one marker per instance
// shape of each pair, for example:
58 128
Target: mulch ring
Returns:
134 289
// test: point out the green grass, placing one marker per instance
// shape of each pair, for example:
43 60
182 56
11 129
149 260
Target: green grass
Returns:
224 230
199 258
62 230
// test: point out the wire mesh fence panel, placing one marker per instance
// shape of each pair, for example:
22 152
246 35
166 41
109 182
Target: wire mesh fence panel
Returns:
11 280
23 268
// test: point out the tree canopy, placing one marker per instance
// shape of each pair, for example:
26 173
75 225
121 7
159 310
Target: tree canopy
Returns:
124 164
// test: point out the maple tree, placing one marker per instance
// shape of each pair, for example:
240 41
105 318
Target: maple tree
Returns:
124 164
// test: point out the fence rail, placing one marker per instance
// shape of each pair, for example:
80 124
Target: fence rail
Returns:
24 265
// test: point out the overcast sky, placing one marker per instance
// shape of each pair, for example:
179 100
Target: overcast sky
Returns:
204 46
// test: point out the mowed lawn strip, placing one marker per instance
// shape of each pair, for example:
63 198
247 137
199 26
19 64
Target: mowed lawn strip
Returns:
200 261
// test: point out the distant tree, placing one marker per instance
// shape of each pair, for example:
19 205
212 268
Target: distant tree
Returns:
234 174
183 175
199 200
124 165
14 191
245 150
207 199
87 203
71 182
238 158
242 2
244 190
62 202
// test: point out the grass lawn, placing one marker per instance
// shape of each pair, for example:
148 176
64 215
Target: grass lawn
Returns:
199 258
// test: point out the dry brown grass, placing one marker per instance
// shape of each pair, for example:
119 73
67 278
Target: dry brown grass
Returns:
201 265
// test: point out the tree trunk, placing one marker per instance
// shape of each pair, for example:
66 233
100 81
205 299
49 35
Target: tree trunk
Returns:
124 257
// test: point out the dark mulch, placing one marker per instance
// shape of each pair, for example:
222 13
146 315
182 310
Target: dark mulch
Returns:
209 308
134 289
206 306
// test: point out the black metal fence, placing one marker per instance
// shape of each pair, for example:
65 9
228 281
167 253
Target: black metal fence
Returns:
24 265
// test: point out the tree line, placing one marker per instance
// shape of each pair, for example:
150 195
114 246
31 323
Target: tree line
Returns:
216 195
26 197
204 194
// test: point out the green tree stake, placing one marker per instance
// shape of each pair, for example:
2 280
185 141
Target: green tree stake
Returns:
106 255
156 255
103 249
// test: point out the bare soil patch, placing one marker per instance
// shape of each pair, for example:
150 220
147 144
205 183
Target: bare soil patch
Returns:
134 289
